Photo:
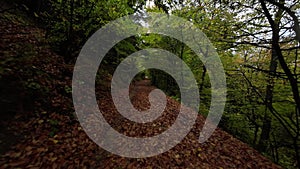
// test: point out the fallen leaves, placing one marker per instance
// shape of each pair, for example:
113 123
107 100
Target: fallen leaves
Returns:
68 146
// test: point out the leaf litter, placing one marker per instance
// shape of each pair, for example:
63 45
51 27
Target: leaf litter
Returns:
53 138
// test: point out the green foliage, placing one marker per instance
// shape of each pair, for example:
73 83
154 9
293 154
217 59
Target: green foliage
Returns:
71 22
54 127
68 89
30 84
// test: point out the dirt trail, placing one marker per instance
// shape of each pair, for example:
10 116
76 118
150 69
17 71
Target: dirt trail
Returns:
220 151
53 138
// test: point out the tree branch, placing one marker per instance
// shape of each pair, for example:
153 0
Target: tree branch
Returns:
296 26
284 123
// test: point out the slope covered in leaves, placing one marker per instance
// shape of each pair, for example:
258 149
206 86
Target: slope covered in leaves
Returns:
46 134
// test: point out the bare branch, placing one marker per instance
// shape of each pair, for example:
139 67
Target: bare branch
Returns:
296 26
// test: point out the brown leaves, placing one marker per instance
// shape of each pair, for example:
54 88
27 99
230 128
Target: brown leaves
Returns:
70 147
220 151
52 139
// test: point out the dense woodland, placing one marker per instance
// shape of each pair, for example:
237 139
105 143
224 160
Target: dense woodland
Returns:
258 42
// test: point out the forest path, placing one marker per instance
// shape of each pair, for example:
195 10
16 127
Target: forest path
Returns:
221 150
53 138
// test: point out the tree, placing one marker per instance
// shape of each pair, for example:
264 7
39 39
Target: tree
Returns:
277 26
273 26
292 80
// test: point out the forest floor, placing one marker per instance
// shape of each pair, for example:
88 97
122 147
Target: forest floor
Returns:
39 128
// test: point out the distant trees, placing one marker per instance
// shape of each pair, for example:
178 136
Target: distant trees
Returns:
262 40
276 28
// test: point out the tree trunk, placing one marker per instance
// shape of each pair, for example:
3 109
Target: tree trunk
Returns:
297 153
265 134
292 80
255 134
202 79
267 120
